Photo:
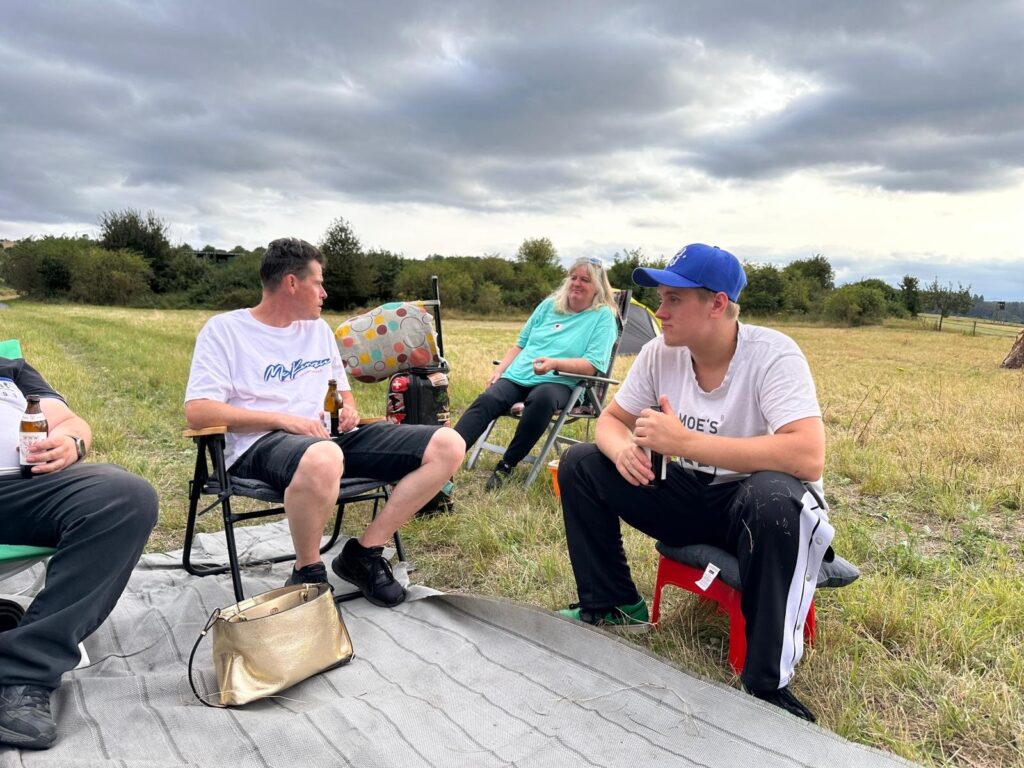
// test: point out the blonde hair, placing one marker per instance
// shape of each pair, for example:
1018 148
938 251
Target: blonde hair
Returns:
604 296
731 312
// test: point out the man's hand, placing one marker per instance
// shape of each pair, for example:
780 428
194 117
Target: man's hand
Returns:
297 425
52 454
661 431
634 465
348 419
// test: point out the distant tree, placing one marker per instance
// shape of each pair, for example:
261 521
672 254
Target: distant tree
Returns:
809 281
538 251
239 249
384 267
620 275
185 271
893 302
488 299
538 272
946 301
128 230
765 291
231 285
817 269
41 269
856 304
347 280
910 295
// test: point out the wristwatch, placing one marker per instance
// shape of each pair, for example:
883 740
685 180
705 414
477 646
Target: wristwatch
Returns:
79 446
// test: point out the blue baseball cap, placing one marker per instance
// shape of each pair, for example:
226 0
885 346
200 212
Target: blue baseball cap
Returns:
697 266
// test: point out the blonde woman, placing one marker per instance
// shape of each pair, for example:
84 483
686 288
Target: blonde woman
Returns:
571 331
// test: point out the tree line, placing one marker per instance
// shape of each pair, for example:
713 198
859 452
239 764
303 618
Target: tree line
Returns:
133 263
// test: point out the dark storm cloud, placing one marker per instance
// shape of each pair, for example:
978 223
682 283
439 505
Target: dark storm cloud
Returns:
492 106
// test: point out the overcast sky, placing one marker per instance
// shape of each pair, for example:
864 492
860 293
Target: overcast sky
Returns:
888 136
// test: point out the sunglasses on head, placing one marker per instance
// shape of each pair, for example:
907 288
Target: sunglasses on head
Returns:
595 261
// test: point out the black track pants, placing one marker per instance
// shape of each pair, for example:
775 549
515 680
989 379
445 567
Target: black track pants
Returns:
541 402
775 527
99 517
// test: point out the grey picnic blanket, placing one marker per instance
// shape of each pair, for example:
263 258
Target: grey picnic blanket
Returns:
441 680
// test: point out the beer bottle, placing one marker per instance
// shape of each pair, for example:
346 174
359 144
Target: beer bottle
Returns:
333 406
33 429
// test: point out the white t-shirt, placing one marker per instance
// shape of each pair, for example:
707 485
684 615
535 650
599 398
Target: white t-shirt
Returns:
242 362
767 386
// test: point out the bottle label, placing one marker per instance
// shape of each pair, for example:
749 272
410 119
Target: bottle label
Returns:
26 439
325 419
33 418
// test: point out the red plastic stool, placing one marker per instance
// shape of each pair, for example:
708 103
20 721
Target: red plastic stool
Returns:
728 599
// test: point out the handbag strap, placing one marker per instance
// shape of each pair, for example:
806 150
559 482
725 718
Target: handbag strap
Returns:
213 618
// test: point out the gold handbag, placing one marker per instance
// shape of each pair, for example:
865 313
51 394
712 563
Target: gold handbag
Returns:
273 641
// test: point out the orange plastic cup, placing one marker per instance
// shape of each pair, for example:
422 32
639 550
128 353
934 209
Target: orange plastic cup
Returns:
553 466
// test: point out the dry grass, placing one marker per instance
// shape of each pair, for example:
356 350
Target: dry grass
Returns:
923 656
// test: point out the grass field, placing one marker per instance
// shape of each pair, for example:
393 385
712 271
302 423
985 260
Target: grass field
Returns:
923 656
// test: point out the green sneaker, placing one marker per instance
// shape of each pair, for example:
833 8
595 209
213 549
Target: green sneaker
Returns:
624 618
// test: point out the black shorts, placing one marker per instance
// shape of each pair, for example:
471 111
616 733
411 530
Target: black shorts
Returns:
380 451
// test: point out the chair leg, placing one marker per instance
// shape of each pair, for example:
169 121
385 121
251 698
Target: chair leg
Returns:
659 584
336 531
229 538
478 446
552 435
554 430
195 491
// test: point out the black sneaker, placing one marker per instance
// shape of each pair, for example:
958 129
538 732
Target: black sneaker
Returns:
784 699
25 719
367 569
502 473
314 573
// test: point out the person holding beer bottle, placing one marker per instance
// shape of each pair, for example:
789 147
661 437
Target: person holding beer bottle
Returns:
97 516
737 405
262 373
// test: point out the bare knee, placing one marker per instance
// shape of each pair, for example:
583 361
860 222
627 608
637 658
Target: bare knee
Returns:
447 447
320 469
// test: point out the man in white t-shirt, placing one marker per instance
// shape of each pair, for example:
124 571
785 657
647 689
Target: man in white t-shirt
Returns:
736 403
263 373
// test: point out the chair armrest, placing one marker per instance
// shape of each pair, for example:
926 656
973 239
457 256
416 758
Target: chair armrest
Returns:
585 377
224 430
204 432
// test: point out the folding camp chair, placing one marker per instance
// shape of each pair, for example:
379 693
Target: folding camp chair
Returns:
588 396
211 478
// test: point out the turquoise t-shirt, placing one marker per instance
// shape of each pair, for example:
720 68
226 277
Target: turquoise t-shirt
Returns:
589 334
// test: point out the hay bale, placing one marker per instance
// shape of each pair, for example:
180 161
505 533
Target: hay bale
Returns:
1016 357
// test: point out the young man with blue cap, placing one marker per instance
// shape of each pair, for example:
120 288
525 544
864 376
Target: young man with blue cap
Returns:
736 404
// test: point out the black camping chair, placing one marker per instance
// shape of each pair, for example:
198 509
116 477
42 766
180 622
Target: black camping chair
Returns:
211 478
588 395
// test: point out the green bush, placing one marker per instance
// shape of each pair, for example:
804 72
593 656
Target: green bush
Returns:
856 305
99 276
41 269
765 293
